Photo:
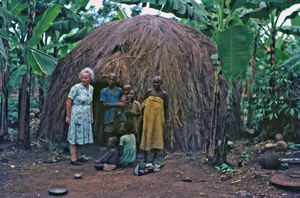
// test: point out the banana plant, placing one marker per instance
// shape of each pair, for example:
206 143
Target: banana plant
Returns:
271 10
18 36
29 45
181 8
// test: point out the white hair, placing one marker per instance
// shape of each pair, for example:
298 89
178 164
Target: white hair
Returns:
89 71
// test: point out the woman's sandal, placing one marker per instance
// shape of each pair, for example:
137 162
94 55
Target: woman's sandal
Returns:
82 160
76 163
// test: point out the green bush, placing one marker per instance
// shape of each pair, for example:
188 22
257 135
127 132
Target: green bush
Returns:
275 101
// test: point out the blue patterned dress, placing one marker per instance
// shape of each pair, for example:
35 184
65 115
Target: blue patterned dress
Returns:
80 128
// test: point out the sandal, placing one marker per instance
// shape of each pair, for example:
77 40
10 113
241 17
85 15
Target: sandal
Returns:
76 163
82 160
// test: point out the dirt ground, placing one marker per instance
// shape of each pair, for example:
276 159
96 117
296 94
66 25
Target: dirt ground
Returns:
24 174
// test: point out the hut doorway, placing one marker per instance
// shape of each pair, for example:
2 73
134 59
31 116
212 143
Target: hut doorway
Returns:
98 110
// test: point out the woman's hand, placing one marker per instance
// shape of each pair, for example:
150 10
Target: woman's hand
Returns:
68 119
92 119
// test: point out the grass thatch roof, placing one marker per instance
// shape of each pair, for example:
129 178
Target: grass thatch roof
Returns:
137 49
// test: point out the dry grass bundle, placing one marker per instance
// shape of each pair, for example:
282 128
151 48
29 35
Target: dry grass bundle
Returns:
138 49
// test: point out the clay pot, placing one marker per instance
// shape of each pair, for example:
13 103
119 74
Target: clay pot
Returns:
281 146
270 159
278 137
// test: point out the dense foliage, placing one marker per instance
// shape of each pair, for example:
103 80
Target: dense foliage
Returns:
276 100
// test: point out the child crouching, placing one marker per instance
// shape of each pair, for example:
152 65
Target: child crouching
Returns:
110 159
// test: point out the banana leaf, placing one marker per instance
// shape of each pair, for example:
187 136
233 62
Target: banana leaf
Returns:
6 15
43 24
46 63
295 30
264 8
2 50
234 49
296 21
16 75
78 35
180 8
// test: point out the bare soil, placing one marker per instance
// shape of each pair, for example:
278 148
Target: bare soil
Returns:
24 174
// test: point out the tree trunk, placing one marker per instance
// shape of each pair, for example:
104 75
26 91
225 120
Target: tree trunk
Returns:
41 94
214 121
221 153
4 91
4 100
273 44
251 78
24 93
24 98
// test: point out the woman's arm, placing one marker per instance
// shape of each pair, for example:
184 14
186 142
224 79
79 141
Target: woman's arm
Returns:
166 106
92 116
69 104
119 104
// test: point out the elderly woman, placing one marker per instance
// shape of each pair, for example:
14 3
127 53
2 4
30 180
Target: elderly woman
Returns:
80 115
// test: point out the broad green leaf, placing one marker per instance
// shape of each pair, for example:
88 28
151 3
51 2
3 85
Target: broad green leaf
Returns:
293 14
2 50
292 112
16 75
209 4
234 49
70 15
6 35
46 63
296 21
260 12
78 35
6 15
79 4
32 63
63 26
51 46
121 15
37 68
18 5
237 4
44 23
180 8
281 55
261 8
292 61
295 30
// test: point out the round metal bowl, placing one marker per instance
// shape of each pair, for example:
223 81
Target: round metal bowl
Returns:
78 175
58 190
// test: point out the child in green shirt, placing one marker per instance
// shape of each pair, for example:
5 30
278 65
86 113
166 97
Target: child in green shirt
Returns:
127 144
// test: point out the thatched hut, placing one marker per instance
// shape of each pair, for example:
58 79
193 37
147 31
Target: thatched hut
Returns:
137 49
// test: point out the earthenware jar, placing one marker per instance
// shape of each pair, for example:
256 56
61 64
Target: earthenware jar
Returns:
270 159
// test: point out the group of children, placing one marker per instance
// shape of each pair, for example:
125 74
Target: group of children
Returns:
122 148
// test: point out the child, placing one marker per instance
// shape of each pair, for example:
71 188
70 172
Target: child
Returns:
127 144
124 98
110 159
120 114
134 114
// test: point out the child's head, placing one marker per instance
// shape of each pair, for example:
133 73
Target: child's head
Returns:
123 98
131 94
112 142
127 127
126 89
